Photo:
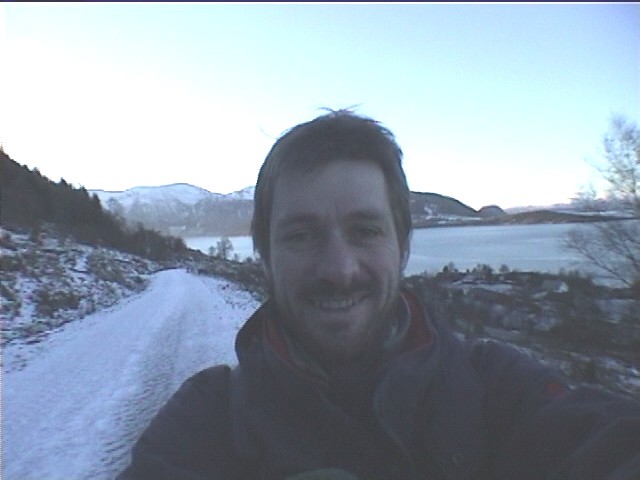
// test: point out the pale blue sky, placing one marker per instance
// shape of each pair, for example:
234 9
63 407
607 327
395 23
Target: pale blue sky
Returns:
492 103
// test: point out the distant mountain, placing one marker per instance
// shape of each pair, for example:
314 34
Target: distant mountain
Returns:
186 210
178 192
491 211
244 194
182 209
429 209
534 208
553 216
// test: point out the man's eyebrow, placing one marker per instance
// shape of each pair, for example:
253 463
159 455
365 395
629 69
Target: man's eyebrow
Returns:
367 214
296 219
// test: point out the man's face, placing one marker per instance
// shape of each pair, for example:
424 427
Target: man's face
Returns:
335 264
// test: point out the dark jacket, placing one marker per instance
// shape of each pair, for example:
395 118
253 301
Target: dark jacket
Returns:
443 409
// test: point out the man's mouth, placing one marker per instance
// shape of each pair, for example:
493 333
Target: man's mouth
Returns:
337 304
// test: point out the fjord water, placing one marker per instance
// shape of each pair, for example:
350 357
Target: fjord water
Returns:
519 247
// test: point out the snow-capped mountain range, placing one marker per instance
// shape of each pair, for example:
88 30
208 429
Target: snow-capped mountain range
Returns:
186 210
182 209
177 192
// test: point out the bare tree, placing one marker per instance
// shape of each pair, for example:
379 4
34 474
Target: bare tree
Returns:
622 167
614 246
225 248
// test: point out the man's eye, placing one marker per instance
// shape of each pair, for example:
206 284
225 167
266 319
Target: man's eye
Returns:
298 237
366 233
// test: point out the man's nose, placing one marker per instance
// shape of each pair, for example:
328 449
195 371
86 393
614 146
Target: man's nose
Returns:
337 262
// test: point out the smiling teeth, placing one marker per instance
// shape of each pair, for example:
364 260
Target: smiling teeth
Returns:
335 304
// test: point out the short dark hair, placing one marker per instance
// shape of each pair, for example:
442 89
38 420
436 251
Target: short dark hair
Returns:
337 135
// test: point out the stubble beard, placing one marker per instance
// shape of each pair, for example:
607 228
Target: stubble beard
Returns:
367 347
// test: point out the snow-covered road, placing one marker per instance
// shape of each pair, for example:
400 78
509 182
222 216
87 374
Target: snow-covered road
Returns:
74 404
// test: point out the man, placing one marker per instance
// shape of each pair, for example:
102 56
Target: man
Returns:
347 374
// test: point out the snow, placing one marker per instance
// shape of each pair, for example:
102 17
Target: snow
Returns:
74 403
182 192
244 194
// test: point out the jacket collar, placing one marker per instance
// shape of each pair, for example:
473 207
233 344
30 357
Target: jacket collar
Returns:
427 395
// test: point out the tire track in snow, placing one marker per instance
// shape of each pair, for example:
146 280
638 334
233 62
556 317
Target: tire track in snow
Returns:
74 411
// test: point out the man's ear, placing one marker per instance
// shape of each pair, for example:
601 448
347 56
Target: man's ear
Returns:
405 251
266 271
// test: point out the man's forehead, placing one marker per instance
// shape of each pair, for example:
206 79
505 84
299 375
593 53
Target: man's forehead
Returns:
299 216
344 210
357 171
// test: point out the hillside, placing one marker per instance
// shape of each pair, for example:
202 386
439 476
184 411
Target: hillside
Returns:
49 281
31 202
433 205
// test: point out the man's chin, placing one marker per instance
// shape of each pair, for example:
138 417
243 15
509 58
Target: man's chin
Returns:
344 341
342 354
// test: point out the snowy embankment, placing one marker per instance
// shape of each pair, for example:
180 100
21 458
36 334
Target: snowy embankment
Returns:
74 403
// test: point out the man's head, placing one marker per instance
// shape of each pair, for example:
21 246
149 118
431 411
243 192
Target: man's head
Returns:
308 146
332 226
